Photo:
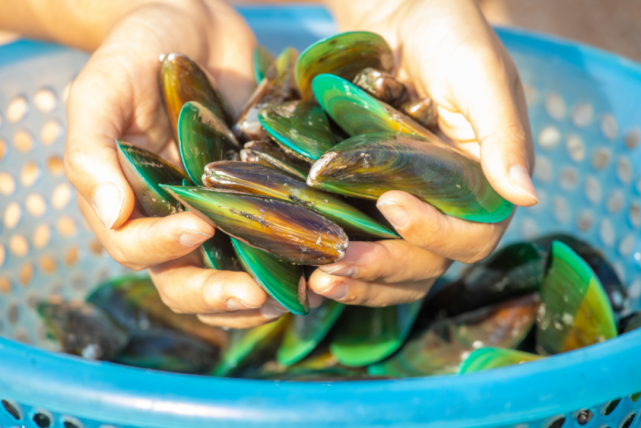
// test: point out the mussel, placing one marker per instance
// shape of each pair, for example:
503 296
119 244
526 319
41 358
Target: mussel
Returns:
263 60
268 154
381 85
492 358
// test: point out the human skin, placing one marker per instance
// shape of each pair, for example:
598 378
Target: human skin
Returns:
445 49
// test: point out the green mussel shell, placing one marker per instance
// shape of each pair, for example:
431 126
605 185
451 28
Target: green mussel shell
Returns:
344 55
441 348
492 358
368 335
381 85
264 181
202 138
281 280
263 60
247 347
286 230
299 127
168 351
357 112
629 323
82 329
269 154
145 172
184 80
304 334
574 308
369 165
423 111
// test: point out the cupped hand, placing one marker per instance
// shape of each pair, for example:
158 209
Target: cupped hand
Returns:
117 95
447 50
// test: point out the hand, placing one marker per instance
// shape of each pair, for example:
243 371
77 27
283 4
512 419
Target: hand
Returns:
117 96
444 49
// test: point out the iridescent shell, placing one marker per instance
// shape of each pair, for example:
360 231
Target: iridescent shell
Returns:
266 153
492 358
263 60
381 85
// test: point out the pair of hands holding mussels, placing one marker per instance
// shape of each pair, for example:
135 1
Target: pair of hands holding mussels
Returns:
444 49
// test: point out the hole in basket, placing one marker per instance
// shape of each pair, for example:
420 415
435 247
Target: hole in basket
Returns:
36 205
632 139
549 137
635 397
61 196
584 416
30 174
557 423
626 246
561 209
50 132
18 245
12 409
41 236
13 313
543 169
611 406
79 282
42 420
615 201
66 226
634 291
23 141
71 256
48 264
555 106
582 115
71 423
45 100
55 165
593 190
575 147
32 300
26 274
3 149
628 421
609 126
568 178
585 220
7 184
5 285
635 215
95 247
600 158
624 170
17 109
606 232
12 215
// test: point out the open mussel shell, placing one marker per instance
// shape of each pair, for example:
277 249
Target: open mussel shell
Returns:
423 111
202 138
368 335
441 348
381 85
299 127
357 112
286 230
169 351
247 347
575 311
610 281
369 165
263 181
145 172
629 323
281 280
263 60
492 358
184 80
135 304
82 329
304 334
344 55
269 154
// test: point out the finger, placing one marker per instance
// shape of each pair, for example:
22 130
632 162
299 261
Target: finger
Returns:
391 261
270 312
143 242
422 225
186 287
356 292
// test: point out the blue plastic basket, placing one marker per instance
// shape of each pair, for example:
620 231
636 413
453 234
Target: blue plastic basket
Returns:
585 110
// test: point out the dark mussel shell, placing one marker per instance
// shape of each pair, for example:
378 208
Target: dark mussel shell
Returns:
629 323
423 111
369 165
381 85
287 230
264 181
344 55
267 153
492 358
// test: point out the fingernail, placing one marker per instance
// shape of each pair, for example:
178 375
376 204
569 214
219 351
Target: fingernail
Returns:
347 271
339 292
271 312
522 182
236 305
192 238
107 202
395 213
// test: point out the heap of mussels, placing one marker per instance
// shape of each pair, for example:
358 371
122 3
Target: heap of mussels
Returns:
289 182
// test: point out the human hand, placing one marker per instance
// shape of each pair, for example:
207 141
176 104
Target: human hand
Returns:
444 49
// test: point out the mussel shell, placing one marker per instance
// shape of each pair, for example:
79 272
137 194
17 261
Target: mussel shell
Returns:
269 154
281 280
263 60
492 358
263 181
629 323
182 80
218 253
423 111
82 329
381 85
574 308
357 112
286 230
169 351
344 55
145 172
202 138
369 165
301 128
304 334
368 335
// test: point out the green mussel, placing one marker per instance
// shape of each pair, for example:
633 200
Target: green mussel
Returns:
381 85
575 311
492 358
168 351
369 165
263 60
629 323
82 329
264 181
184 80
344 55
368 335
269 154
357 112
423 111
301 128
289 231
145 172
